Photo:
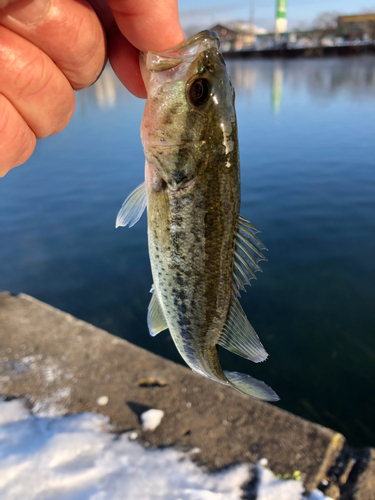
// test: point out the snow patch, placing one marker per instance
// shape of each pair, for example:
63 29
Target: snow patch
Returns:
54 405
13 411
273 488
151 419
77 458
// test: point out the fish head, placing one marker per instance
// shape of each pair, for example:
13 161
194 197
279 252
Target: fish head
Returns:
189 117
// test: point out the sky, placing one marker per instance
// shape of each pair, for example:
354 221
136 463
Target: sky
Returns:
205 13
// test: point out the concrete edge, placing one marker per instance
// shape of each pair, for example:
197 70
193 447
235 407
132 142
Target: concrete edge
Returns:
62 363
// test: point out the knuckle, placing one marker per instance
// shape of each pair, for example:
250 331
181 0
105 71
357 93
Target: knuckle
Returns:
65 115
86 54
38 89
4 116
17 142
58 116
33 77
42 86
26 75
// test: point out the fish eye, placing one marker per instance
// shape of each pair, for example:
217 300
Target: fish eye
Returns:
199 91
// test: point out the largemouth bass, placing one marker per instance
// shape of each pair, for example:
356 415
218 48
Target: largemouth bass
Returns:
202 251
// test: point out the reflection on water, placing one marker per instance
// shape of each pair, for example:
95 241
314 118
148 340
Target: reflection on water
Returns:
306 130
321 77
277 88
105 89
104 93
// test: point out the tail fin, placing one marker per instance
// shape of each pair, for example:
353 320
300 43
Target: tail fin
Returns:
251 386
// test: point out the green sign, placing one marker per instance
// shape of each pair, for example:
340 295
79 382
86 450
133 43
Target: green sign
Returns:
281 9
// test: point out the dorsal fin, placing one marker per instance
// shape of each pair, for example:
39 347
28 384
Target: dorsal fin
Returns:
155 317
133 207
240 273
247 253
239 337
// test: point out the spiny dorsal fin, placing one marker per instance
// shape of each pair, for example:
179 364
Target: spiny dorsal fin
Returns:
133 207
247 253
239 337
251 386
155 317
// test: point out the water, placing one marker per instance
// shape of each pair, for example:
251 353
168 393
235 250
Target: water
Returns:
308 181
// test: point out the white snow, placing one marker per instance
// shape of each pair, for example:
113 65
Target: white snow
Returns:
77 458
12 412
151 419
271 488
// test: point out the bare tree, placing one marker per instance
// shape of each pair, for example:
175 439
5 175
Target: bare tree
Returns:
370 29
300 26
326 22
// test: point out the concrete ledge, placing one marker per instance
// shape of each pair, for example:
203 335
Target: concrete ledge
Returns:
61 362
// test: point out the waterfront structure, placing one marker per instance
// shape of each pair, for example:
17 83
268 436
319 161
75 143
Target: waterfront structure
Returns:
246 37
237 35
281 20
356 26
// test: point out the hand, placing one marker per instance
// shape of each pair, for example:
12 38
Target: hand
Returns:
49 48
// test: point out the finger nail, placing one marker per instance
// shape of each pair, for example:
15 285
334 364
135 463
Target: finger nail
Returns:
28 12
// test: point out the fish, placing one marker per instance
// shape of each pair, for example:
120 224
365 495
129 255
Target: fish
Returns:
202 251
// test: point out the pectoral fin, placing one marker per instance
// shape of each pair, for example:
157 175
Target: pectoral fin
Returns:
155 317
251 386
239 337
133 207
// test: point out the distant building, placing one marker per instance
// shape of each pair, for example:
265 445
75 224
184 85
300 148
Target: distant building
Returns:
237 35
226 34
340 31
356 26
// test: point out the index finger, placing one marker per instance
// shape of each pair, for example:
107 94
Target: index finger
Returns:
148 24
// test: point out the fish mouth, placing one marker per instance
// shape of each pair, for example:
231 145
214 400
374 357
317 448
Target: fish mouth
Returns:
184 52
205 36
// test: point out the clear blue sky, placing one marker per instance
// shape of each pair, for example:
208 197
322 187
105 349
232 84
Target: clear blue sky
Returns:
299 11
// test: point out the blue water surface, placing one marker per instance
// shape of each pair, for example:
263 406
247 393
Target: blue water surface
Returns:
307 142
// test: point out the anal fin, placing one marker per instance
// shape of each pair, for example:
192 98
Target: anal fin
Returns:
239 337
155 318
251 386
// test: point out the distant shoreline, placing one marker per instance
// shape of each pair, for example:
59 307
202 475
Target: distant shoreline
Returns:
336 51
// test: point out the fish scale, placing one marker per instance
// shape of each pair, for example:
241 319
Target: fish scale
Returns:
189 265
